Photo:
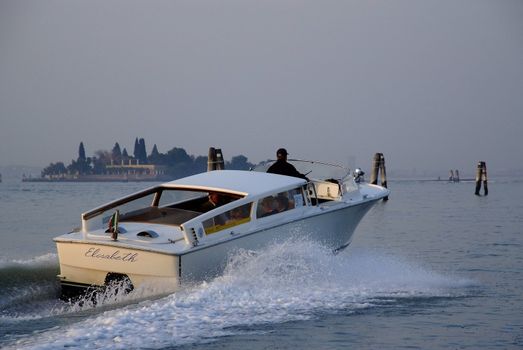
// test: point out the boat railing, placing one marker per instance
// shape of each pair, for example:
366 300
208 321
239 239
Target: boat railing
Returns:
311 169
327 182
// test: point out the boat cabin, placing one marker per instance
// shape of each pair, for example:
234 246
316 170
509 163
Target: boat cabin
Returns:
204 204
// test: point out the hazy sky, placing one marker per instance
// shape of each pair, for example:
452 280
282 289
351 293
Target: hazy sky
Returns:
431 84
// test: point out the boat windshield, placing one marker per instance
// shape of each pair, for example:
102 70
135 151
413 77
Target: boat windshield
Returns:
311 169
161 205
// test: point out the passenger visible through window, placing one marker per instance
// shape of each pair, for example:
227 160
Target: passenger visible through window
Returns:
234 217
279 203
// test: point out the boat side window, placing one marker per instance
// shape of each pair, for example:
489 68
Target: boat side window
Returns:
234 217
266 207
280 202
296 196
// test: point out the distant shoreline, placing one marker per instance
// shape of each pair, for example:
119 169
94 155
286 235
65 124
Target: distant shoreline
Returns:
130 178
99 178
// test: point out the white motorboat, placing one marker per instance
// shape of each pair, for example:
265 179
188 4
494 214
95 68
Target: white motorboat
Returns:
169 235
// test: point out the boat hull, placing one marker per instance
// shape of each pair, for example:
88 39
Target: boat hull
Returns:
333 229
85 264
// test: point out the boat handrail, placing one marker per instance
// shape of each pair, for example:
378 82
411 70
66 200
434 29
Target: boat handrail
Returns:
343 171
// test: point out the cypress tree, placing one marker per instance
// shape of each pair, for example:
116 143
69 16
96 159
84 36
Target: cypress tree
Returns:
81 151
154 152
143 152
116 153
136 152
155 156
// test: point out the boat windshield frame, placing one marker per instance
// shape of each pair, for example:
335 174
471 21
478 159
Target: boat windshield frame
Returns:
155 195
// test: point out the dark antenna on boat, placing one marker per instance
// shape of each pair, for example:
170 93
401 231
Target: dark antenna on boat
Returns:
215 159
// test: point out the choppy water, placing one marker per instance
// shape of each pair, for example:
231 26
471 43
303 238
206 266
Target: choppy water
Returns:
435 267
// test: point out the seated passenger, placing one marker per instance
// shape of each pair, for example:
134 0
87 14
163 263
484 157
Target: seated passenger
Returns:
266 207
236 214
214 201
282 203
282 167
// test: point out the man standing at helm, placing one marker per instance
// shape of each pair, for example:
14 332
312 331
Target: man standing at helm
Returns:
282 167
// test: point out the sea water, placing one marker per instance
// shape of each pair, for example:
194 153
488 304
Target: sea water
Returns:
434 267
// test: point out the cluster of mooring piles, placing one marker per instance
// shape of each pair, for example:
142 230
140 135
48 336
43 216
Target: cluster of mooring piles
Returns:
454 176
481 177
215 162
215 159
378 168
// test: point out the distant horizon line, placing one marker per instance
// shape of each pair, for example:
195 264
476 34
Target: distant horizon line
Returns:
392 173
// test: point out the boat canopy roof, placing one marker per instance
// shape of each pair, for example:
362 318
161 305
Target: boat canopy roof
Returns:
236 181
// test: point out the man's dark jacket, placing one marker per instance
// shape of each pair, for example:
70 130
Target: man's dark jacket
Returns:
283 168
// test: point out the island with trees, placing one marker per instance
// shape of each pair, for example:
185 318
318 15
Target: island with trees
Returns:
119 165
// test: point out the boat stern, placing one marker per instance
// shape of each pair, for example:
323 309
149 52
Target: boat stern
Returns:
86 265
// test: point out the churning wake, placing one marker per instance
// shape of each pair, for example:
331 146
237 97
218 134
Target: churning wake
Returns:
292 281
27 286
29 290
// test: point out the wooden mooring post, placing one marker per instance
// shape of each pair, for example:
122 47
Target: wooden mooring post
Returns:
454 176
481 176
215 159
378 166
